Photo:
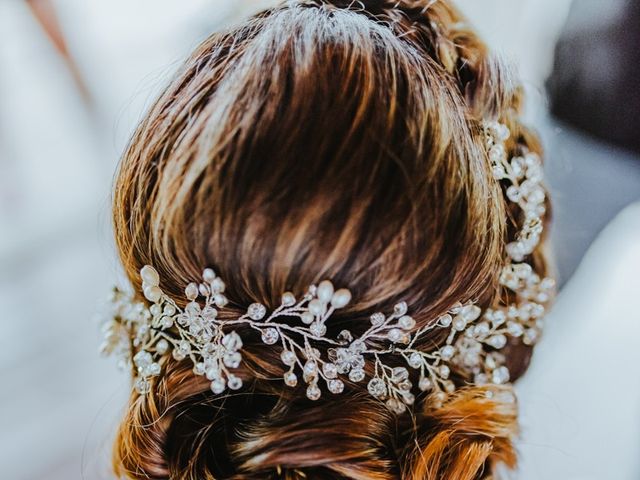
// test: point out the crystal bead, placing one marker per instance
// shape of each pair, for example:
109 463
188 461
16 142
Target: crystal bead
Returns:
377 319
232 341
155 309
444 371
204 290
313 392
142 359
234 382
377 387
356 375
399 374
218 386
406 322
345 337
199 368
166 322
400 309
447 352
232 359
500 375
470 312
415 360
290 379
445 320
395 335
288 357
449 386
178 354
256 311
213 372
318 329
335 386
217 285
208 275
288 299
152 293
270 336
357 346
220 300
459 323
530 336
310 368
425 384
330 370
169 310
515 329
497 341
142 386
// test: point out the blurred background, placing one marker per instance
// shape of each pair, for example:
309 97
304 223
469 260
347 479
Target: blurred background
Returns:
77 75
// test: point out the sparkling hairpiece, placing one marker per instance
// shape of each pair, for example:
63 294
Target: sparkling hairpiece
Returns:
143 335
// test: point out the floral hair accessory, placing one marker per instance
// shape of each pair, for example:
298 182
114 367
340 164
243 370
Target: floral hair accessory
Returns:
383 356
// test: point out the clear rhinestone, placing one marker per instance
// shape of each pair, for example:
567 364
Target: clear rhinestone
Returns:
497 341
515 329
447 352
406 322
356 375
318 329
500 375
218 386
232 359
270 336
377 387
290 379
234 382
425 384
288 357
199 368
445 320
400 308
330 370
377 319
142 386
335 386
313 392
256 311
310 368
415 360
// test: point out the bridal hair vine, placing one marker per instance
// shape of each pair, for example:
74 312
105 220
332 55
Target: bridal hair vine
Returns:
383 355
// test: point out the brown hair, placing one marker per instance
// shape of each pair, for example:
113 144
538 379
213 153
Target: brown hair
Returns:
322 139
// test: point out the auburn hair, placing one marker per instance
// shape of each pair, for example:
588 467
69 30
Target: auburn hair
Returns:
323 139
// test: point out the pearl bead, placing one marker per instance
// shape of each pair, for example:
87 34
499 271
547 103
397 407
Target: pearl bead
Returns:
150 276
152 293
191 291
288 299
316 307
325 291
341 298
208 275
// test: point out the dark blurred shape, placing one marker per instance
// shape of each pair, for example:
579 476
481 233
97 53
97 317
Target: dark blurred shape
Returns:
595 85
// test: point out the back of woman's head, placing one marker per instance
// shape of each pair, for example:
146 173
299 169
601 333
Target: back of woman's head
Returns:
322 139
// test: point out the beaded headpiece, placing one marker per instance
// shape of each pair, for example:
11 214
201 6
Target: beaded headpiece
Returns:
142 335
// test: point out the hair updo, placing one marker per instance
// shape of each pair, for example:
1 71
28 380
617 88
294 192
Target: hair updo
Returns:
322 139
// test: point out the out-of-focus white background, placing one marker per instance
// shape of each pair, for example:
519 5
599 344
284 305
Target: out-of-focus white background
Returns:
65 117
